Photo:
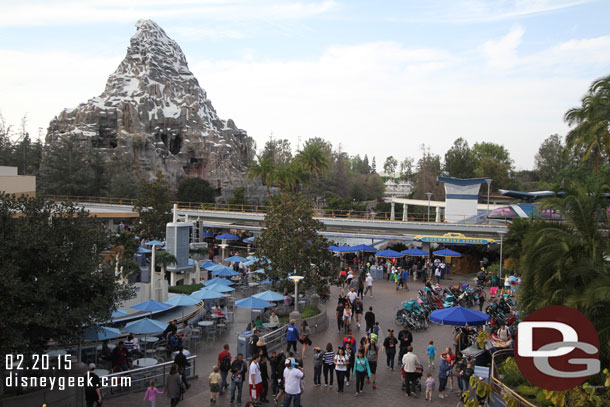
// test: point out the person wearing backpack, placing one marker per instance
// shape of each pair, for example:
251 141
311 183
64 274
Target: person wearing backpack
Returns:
238 374
372 353
224 364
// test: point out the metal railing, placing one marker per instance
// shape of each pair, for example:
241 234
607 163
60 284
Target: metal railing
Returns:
325 213
141 377
498 388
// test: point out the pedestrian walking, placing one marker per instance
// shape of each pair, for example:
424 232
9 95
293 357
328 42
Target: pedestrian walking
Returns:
369 284
255 380
292 335
444 369
369 318
431 349
341 363
372 353
329 364
389 347
224 365
214 380
339 316
358 310
304 338
361 371
430 384
318 362
410 361
405 338
173 385
151 393
347 318
239 369
437 274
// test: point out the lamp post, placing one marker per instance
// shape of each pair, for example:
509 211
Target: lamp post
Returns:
152 273
429 194
501 233
488 180
296 280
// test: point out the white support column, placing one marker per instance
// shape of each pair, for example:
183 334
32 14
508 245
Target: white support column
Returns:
438 214
172 279
392 212
405 212
153 275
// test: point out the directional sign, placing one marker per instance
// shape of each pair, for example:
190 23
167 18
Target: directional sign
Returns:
454 238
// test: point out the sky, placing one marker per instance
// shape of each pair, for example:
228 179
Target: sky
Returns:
372 77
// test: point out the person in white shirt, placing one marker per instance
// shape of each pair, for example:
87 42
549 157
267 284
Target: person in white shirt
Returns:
292 385
256 380
352 296
410 361
369 284
274 319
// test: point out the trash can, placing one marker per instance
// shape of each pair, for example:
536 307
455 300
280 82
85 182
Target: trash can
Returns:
243 343
377 272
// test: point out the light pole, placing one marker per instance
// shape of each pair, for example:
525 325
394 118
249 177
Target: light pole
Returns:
488 180
429 194
501 233
296 280
152 273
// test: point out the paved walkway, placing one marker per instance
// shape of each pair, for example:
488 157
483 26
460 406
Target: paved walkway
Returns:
385 302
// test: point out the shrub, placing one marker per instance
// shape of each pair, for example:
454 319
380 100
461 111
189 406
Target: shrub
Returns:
310 311
185 289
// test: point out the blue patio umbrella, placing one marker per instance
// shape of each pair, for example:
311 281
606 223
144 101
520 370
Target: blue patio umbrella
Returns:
151 305
260 271
218 267
447 253
227 236
388 253
182 300
143 250
225 273
365 248
249 240
145 326
332 247
207 264
206 234
415 252
269 296
252 303
101 333
235 259
154 243
458 316
119 313
248 263
218 280
206 294
344 249
221 288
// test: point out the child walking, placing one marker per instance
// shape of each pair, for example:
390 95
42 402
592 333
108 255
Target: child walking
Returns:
430 384
214 383
431 355
151 393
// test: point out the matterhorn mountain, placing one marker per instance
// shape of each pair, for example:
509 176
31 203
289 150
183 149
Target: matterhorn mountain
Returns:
154 112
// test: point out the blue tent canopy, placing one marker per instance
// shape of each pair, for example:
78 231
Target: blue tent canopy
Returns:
269 296
206 234
154 243
101 333
221 288
207 264
119 313
365 248
151 305
415 252
345 249
145 326
249 240
182 300
206 294
218 280
388 253
227 272
235 259
142 250
458 316
227 236
447 253
253 303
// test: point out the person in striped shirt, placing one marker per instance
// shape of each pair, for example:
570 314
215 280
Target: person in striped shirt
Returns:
329 364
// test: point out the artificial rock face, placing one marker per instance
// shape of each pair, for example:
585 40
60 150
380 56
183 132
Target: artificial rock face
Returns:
154 112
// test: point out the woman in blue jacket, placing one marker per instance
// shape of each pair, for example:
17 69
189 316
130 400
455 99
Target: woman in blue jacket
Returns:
361 370
444 369
292 335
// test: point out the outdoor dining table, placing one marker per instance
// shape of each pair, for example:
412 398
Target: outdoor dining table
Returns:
185 352
102 372
144 362
150 339
205 324
269 325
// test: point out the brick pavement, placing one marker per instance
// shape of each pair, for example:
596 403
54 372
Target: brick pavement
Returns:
385 301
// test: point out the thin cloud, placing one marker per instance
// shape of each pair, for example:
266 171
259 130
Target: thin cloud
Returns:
94 11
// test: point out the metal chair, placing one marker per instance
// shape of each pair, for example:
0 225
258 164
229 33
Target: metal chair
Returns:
196 335
221 327
210 333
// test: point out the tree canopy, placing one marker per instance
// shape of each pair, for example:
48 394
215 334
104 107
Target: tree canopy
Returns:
195 190
154 207
54 282
291 243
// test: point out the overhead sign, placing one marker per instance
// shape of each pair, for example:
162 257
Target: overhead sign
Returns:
454 238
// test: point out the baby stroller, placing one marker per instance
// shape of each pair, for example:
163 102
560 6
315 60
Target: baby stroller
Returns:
419 371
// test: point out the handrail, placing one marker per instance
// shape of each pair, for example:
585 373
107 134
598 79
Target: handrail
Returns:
498 387
325 213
